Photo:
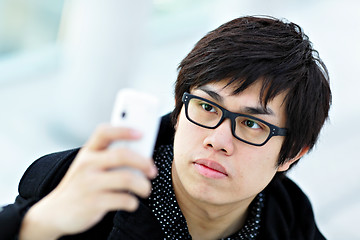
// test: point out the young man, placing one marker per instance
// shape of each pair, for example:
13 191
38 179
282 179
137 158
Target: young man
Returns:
251 99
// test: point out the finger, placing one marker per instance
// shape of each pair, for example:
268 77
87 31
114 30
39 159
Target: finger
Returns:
126 180
106 133
121 157
113 201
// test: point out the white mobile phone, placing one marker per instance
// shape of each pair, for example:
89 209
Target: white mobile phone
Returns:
140 111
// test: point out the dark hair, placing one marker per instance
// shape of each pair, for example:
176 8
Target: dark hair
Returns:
278 53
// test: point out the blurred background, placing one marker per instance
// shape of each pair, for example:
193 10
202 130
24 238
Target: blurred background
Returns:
61 63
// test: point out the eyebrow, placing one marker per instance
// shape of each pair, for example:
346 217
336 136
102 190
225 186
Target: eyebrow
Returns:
247 110
259 111
212 94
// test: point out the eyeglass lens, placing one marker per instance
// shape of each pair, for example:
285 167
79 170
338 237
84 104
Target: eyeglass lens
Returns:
209 115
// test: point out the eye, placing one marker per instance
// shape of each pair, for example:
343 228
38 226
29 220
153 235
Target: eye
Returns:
251 124
207 107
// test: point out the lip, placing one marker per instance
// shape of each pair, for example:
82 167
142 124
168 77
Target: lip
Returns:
210 169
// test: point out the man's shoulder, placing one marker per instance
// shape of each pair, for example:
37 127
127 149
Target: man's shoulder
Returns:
286 192
288 212
45 173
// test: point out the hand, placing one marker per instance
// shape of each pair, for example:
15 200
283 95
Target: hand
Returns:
92 187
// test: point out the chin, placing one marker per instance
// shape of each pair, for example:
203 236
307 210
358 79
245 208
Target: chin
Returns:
206 193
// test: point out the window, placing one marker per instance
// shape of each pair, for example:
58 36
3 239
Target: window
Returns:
26 25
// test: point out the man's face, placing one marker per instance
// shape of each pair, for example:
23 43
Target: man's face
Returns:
211 165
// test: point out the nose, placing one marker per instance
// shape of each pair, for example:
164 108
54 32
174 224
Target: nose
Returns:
221 138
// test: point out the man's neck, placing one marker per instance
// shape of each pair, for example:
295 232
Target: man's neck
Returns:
210 221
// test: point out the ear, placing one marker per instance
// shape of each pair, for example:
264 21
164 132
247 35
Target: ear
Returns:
286 165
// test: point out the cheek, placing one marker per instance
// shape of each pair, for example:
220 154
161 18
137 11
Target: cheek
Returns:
185 131
255 167
273 150
183 136
263 156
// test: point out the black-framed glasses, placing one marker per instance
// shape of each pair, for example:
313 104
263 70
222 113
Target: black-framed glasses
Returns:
248 129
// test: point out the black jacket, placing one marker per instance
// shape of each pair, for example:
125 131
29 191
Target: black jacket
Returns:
287 212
